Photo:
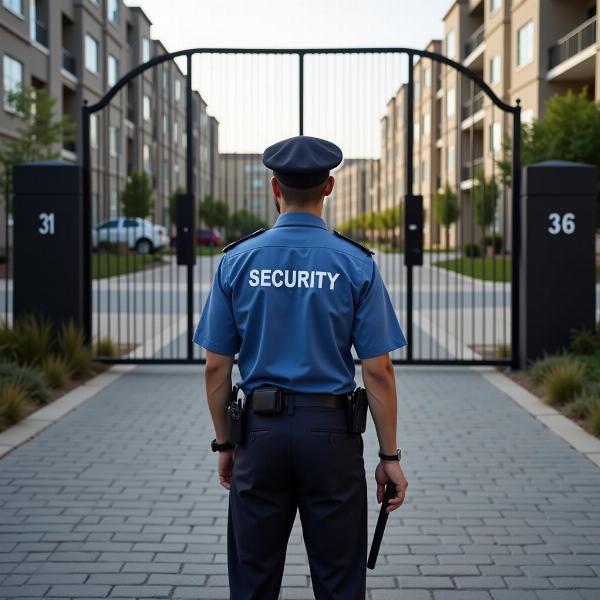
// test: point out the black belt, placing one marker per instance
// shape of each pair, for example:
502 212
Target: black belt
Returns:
328 400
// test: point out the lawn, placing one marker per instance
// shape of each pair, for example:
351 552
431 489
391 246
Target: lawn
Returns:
107 265
496 268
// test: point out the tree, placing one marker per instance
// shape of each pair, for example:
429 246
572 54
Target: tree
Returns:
485 196
213 212
136 196
568 130
40 135
244 222
446 209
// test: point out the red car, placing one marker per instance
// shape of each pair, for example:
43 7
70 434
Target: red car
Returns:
204 237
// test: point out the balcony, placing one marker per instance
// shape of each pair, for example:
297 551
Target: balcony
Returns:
474 40
573 56
468 169
69 62
472 106
573 43
41 33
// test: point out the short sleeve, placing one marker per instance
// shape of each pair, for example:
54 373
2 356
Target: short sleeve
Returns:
376 329
216 330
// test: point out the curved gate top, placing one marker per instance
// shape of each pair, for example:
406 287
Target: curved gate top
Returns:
430 179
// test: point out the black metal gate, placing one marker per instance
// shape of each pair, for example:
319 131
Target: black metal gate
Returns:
430 180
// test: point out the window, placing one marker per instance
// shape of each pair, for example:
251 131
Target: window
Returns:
146 107
427 77
449 159
175 132
165 77
495 69
15 6
112 11
91 53
450 44
145 49
417 89
494 5
426 124
527 116
495 132
146 158
114 201
113 70
12 79
178 89
165 174
450 102
176 174
94 130
130 223
112 224
525 44
184 139
417 132
424 170
165 124
114 140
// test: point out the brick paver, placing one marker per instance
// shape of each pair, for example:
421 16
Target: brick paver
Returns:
119 499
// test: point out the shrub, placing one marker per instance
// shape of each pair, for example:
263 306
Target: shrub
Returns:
33 339
583 341
593 419
494 240
563 382
81 364
8 342
581 407
538 370
31 380
56 370
13 403
472 250
105 347
503 351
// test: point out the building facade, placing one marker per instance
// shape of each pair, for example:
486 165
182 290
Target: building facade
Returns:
77 50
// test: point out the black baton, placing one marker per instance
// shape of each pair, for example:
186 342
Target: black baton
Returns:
390 492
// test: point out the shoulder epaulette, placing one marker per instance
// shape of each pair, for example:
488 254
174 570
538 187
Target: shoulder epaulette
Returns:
358 244
236 242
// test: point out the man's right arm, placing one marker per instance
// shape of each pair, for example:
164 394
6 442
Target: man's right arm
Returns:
380 383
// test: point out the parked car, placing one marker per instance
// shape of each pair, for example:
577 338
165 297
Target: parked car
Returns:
141 234
205 236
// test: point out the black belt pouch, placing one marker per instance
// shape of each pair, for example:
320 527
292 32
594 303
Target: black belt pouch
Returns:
357 411
267 401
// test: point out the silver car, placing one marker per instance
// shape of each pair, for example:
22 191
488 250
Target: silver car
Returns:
140 234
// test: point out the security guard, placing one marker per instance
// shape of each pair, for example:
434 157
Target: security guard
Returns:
292 301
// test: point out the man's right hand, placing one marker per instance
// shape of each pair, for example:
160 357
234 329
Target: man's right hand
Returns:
390 471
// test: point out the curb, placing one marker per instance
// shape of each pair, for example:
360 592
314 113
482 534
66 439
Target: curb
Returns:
24 430
577 437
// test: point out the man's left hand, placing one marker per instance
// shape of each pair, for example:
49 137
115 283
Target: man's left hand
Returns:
225 468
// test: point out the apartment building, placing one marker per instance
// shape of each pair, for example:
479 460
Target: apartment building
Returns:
523 49
78 49
246 185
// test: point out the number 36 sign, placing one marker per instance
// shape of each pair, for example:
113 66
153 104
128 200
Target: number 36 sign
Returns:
561 223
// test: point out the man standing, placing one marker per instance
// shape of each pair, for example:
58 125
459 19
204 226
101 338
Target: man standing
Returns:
292 301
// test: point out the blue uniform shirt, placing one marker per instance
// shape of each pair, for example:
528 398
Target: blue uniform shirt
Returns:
293 301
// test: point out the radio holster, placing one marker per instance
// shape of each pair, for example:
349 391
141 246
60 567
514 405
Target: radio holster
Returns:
235 417
357 411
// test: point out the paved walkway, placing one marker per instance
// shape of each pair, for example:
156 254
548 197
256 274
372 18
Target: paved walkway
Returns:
119 499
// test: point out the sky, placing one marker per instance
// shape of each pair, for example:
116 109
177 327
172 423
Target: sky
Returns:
255 98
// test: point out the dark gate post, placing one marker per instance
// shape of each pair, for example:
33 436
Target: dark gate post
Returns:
48 241
558 272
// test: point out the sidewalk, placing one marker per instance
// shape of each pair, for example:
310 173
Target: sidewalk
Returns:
119 499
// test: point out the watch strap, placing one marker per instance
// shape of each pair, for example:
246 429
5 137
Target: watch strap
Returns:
390 457
226 445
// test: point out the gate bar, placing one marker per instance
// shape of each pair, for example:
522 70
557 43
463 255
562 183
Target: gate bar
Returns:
408 162
189 184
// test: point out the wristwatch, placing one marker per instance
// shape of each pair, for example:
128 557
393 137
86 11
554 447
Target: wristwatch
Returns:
226 445
391 456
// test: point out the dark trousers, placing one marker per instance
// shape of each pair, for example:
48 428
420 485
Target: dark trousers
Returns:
302 459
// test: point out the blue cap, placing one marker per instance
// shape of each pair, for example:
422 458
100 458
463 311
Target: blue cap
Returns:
302 161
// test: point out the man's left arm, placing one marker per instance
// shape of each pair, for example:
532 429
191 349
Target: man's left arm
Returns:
217 377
